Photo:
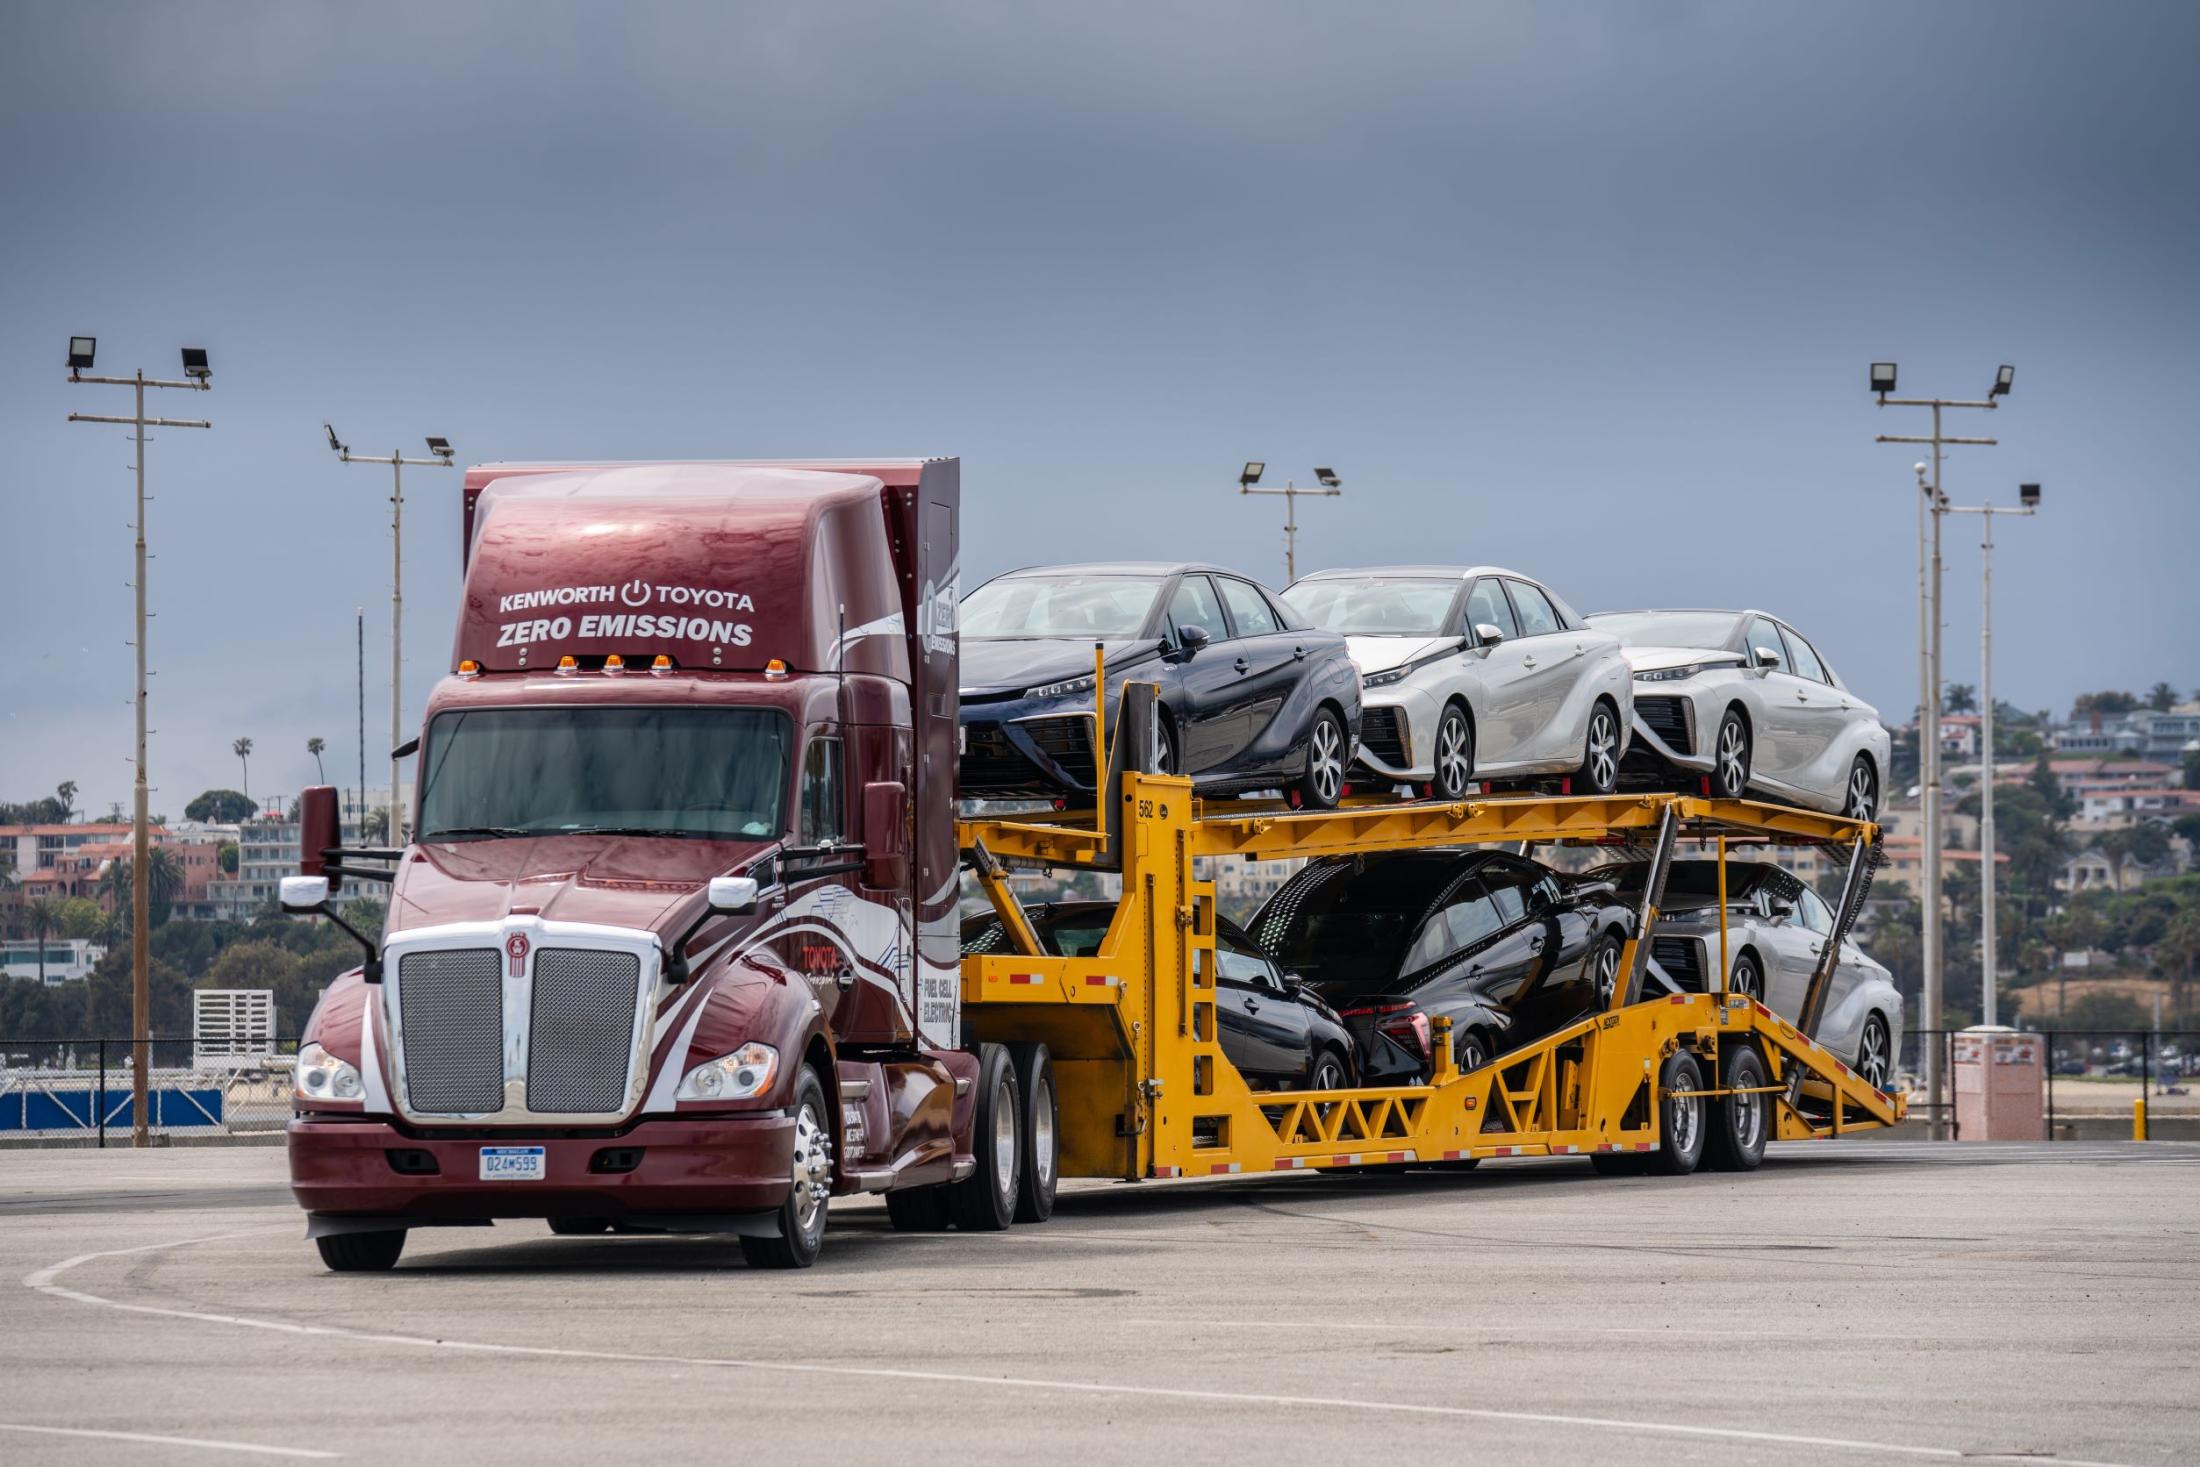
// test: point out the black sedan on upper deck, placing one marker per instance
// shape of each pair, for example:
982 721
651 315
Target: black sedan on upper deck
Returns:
1251 697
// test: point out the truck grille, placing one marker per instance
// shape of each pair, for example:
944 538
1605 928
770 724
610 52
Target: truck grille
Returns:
581 1031
1668 719
1682 960
451 1015
1383 735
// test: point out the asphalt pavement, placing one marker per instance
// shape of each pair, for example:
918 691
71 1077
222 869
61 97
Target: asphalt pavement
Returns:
1855 1301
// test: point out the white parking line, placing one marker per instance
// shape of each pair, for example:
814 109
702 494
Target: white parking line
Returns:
1516 1331
169 1441
43 1281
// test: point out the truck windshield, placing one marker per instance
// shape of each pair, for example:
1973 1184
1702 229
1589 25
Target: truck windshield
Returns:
708 773
1380 606
1084 607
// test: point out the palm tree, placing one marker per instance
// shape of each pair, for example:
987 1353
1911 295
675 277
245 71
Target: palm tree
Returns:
1960 698
243 750
2161 697
44 915
65 796
163 880
314 746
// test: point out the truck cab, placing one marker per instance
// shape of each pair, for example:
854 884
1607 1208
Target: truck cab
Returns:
672 945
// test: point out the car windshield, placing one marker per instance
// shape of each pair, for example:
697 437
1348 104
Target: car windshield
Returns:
1379 606
1348 934
716 773
1668 628
1697 882
1084 607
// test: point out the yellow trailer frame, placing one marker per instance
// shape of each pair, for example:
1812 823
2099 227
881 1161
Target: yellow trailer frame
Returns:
1146 1091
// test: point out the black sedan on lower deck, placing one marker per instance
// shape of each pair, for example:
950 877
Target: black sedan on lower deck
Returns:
1278 1034
1504 947
1250 696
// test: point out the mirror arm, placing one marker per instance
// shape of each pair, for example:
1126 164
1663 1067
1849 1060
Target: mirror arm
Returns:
371 969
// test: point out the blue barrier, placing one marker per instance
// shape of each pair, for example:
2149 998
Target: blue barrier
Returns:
63 1104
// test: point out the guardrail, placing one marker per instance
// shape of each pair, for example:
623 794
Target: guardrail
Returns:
78 1092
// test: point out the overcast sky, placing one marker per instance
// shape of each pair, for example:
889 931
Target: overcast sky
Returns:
1587 289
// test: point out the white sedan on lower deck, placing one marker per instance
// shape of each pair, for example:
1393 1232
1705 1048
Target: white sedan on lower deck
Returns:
1743 700
1474 673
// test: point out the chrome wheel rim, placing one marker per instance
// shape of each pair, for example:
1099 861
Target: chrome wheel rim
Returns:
1452 764
1327 760
1871 1061
1004 1138
1603 764
1860 793
813 1170
1747 981
1733 759
1328 1075
1042 1136
1471 1056
1686 1112
1607 975
1749 1120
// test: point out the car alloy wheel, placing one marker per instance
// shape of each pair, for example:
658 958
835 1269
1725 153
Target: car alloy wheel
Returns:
1732 779
1602 764
1871 1053
1328 1072
1604 969
1454 754
1863 791
1747 980
1325 761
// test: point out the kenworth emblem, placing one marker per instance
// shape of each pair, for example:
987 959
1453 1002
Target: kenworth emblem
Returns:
515 948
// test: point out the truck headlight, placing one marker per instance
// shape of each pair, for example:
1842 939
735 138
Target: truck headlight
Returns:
747 1072
1068 687
1670 674
322 1076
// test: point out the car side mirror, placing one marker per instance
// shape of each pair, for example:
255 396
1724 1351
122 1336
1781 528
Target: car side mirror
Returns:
885 809
1766 659
733 896
1781 913
1192 638
1488 634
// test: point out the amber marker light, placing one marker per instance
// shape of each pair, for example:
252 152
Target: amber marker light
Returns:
567 666
614 665
469 668
775 669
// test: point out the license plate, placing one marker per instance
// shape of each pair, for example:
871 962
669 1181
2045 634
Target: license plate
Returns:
512 1163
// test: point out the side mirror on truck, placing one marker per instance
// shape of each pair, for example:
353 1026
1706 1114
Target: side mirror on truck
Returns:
320 830
733 896
885 809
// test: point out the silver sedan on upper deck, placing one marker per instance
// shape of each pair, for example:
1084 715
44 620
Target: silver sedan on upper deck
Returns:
1741 698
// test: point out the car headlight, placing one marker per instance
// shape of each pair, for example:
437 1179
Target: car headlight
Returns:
1669 674
1386 678
322 1076
1068 687
747 1072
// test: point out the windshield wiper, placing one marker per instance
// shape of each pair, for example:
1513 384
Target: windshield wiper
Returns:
644 830
477 832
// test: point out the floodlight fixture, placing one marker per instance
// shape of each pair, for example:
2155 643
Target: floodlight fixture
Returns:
1327 478
1882 377
1254 468
194 364
333 441
81 351
2029 495
440 447
2002 379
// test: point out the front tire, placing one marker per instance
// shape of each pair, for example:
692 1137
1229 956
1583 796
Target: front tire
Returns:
1038 1133
1454 754
1862 800
1323 783
1604 971
1730 757
361 1252
1747 979
1874 1053
578 1227
985 1201
1600 752
801 1218
1680 1117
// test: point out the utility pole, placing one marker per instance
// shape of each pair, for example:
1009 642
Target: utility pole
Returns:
440 448
1331 486
197 378
1989 936
359 618
1883 386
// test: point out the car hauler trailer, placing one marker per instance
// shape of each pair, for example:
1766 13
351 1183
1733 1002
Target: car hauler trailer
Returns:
674 947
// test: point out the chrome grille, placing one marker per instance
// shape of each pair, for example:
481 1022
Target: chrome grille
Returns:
581 1031
451 1013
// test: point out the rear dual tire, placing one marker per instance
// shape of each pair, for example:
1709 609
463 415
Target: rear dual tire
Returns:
1740 1124
1681 1126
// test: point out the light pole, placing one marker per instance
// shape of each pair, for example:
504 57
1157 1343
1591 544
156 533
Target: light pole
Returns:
1331 486
1883 386
198 377
441 449
2028 496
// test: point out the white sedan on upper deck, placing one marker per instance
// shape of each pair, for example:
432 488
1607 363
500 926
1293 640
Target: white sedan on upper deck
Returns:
1474 673
1742 699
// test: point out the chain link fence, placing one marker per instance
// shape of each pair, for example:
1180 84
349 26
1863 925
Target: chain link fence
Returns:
2093 1077
79 1092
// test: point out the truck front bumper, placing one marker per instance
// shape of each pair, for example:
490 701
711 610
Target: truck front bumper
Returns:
656 1170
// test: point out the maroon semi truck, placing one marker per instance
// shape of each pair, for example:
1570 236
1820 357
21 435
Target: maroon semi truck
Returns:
673 945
